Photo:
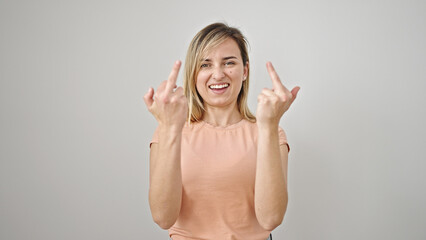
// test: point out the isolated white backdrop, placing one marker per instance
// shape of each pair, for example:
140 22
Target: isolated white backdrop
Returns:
74 131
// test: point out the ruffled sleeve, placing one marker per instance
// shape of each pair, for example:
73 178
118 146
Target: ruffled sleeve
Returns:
154 137
283 138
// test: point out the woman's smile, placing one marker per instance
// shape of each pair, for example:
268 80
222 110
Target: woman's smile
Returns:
219 88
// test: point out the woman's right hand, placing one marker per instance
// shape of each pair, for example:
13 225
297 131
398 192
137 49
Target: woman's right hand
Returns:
169 104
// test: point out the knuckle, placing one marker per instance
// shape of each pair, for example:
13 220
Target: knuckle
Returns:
165 99
175 99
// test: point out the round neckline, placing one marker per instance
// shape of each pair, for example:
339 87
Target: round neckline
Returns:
231 126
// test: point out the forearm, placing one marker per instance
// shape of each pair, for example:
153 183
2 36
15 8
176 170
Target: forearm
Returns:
270 186
165 193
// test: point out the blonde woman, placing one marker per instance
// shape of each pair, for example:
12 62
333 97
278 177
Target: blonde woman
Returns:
216 170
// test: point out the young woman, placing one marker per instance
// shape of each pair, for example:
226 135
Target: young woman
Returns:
216 171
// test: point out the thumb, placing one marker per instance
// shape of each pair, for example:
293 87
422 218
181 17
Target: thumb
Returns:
294 92
148 97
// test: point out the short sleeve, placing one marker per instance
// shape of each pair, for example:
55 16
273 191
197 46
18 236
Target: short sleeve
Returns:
283 138
154 137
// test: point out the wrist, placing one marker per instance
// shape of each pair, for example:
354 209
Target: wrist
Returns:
267 125
170 129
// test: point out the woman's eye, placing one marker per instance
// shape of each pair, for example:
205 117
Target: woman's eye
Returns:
204 65
229 63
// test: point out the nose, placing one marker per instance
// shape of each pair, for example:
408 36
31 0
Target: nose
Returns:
218 73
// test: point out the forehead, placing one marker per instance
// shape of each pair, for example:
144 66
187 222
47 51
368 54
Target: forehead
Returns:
228 47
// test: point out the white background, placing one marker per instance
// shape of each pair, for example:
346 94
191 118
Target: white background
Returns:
74 131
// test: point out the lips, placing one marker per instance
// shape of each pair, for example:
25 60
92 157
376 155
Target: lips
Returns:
219 86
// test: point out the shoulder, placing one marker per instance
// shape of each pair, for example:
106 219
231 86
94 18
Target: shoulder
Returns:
283 138
252 126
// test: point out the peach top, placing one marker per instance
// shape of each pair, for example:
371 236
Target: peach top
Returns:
218 177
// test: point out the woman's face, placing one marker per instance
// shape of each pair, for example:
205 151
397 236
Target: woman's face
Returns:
221 75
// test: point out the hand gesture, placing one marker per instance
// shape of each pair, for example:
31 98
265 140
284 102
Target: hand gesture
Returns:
273 103
169 105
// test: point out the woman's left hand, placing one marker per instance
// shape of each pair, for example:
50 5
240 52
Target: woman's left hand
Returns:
273 103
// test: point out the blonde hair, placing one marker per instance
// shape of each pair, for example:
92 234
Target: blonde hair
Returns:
206 39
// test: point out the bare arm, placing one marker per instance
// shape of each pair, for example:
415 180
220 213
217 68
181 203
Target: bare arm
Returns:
169 106
271 179
271 170
165 184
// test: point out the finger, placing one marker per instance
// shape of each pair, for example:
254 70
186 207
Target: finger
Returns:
276 81
268 92
148 97
162 86
171 82
179 91
294 92
262 98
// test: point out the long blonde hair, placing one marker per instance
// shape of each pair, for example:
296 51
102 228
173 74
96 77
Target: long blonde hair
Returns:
206 39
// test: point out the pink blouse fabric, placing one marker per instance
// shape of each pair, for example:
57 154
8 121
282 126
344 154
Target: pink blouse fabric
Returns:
218 176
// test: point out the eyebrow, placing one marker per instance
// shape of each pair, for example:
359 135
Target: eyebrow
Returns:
225 58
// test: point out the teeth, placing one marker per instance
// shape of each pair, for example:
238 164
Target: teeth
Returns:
219 86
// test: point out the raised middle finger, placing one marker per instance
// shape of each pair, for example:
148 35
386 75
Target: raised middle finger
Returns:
276 81
171 81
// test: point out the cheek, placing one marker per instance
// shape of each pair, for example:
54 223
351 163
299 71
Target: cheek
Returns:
234 73
197 85
200 81
202 77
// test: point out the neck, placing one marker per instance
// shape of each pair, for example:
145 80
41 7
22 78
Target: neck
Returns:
222 117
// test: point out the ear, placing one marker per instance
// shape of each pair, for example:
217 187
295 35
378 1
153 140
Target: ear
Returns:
246 70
